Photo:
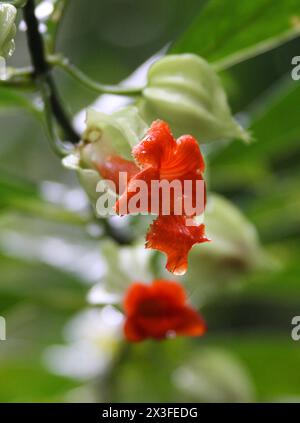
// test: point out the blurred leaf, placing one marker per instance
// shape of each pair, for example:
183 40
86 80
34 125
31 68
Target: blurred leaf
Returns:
276 131
235 252
276 212
272 362
244 25
214 375
36 282
27 381
12 99
20 195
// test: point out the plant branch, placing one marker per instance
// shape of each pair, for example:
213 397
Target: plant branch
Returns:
42 71
74 72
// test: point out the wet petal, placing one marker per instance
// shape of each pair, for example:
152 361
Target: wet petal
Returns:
124 205
172 236
185 161
156 146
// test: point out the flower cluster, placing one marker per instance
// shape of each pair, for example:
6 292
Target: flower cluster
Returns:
133 159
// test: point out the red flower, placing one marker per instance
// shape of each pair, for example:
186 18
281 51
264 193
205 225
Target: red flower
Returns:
111 168
159 310
161 157
172 236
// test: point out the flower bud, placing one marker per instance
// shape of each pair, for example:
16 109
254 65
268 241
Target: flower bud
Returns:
235 251
105 135
185 91
113 134
7 29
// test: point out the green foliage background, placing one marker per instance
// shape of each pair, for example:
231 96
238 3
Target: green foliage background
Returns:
251 322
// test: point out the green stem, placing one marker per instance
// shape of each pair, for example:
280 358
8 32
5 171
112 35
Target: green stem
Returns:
42 72
18 78
109 383
85 80
260 48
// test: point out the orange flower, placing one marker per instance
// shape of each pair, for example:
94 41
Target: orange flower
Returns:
111 168
172 236
159 310
161 157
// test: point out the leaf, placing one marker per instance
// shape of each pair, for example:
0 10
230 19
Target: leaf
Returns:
13 99
214 375
226 28
22 196
276 131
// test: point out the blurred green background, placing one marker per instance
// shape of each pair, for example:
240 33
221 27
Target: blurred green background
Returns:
49 247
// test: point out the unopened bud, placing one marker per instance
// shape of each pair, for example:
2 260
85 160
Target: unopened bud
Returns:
185 91
7 29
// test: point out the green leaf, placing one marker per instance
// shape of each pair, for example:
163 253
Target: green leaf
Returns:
13 99
22 196
276 131
243 28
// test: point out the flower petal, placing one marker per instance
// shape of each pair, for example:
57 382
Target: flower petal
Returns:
156 146
185 161
172 236
159 310
124 205
111 169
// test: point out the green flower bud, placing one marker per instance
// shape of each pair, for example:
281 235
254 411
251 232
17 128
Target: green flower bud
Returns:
213 375
7 29
185 91
234 251
105 135
111 134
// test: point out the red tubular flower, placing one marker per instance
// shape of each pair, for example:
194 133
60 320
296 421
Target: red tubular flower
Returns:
111 168
172 236
159 310
161 157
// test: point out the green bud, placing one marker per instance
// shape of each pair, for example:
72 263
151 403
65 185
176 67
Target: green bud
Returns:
7 29
185 91
88 178
111 134
213 375
105 135
233 252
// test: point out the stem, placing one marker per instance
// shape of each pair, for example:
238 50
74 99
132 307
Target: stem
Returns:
115 233
109 383
42 71
85 80
53 23
17 78
253 51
